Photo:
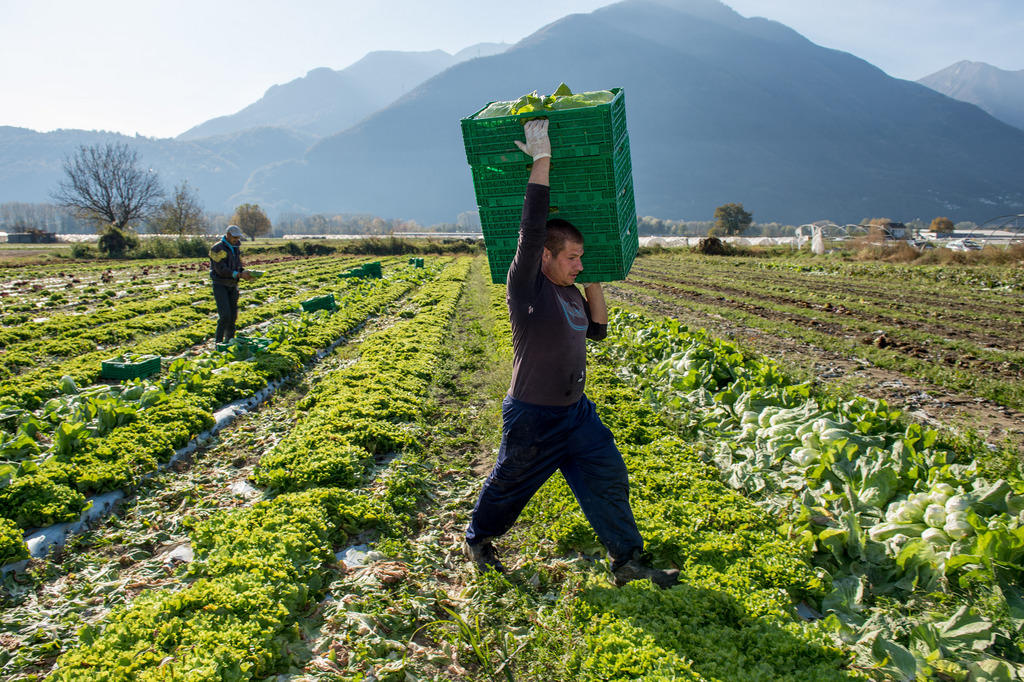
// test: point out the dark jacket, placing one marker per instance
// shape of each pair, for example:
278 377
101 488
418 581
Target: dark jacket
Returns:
225 263
550 323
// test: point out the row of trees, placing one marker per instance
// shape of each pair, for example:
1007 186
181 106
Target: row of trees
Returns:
107 184
295 223
17 216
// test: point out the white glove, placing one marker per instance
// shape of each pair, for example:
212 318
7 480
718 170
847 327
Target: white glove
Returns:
537 144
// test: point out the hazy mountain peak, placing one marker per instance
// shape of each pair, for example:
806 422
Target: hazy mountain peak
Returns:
481 50
326 101
721 108
997 91
712 10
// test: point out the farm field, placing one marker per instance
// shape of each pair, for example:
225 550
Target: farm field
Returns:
944 342
820 535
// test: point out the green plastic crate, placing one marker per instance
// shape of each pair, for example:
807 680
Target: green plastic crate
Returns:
252 344
325 302
591 184
610 236
589 131
372 270
597 178
146 366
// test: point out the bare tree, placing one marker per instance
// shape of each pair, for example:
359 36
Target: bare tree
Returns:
182 214
105 183
253 221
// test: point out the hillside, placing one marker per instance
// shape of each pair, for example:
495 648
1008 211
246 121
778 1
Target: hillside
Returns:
218 156
325 101
999 92
721 108
31 162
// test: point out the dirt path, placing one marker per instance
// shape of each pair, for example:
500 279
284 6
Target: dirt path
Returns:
922 401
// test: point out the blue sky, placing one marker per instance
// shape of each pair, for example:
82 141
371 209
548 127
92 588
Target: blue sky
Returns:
158 68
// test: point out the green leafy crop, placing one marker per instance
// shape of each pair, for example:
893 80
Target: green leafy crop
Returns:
561 98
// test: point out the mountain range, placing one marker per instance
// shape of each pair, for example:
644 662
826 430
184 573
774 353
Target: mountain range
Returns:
326 101
999 92
720 108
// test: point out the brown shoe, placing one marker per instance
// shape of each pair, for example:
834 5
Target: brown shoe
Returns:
484 556
639 568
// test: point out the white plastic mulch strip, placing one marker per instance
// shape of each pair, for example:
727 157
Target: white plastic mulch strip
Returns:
42 541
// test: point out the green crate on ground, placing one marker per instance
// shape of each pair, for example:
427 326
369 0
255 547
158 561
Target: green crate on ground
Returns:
591 184
325 302
416 262
252 344
372 270
138 368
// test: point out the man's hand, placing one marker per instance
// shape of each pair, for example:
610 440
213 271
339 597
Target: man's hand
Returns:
537 145
245 275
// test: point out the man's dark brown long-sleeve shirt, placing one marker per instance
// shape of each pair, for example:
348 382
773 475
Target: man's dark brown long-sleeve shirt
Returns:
550 323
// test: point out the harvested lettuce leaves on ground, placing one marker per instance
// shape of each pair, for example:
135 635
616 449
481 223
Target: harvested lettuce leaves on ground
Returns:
561 98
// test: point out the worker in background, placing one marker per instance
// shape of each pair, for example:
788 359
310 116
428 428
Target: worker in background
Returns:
225 271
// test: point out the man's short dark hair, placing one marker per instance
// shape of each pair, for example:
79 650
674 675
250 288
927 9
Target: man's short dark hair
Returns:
559 232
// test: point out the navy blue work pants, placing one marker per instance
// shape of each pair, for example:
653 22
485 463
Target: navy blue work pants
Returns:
227 310
536 440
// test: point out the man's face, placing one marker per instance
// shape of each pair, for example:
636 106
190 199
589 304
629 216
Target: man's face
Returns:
233 240
562 269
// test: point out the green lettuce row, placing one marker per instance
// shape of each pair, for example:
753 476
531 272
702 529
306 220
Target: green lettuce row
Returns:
733 615
66 335
31 388
12 542
13 338
54 491
120 333
368 409
830 468
258 569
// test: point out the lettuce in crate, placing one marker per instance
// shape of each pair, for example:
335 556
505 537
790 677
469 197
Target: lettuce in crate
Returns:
561 98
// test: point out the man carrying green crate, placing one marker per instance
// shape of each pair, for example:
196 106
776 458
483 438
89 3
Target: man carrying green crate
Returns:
225 271
548 422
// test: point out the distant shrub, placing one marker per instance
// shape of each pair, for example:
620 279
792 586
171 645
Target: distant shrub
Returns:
116 242
712 246
317 249
167 247
193 247
157 247
82 251
903 253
